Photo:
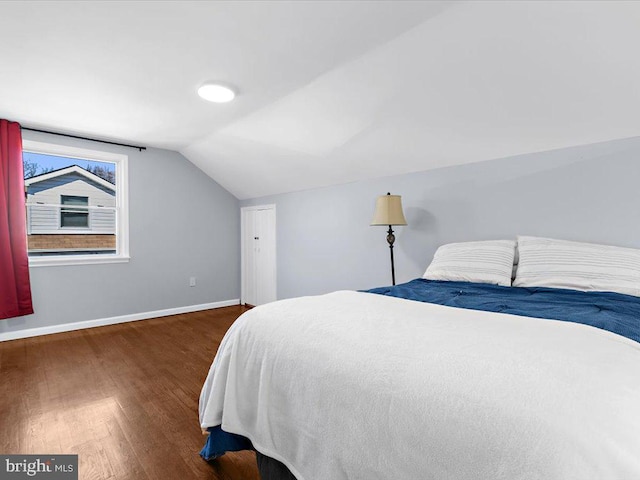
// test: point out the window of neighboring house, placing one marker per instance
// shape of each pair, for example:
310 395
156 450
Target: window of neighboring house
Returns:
77 205
75 211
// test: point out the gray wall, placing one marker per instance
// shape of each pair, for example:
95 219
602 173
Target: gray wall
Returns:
182 224
587 193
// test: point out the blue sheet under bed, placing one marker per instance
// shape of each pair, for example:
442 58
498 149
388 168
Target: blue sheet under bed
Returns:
614 312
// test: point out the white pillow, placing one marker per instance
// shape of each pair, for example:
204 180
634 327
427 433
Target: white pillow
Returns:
481 262
545 262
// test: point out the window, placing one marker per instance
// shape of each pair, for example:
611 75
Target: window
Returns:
76 201
76 215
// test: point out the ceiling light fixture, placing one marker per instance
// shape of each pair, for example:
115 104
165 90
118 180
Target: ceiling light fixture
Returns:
214 92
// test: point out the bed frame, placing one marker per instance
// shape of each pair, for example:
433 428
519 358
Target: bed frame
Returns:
272 469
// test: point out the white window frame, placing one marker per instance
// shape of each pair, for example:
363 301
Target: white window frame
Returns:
122 203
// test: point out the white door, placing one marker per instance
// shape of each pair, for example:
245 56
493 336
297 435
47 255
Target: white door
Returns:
258 238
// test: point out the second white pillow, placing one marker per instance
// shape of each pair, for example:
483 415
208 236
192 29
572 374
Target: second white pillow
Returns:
546 262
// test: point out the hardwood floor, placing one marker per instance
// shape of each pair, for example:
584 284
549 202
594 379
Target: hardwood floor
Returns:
124 397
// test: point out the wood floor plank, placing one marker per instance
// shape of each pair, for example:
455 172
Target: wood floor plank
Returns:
123 397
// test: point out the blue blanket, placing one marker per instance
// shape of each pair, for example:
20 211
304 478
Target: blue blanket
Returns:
220 442
614 312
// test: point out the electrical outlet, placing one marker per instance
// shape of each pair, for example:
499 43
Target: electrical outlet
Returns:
192 281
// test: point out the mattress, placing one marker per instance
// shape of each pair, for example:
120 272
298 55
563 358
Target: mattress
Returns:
366 385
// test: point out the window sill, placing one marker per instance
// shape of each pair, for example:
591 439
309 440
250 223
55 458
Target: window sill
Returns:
77 260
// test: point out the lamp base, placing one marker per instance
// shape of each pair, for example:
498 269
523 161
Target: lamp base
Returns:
391 238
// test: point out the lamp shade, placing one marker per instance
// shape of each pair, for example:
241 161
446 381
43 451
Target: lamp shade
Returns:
388 211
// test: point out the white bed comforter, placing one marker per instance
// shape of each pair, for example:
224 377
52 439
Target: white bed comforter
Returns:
360 386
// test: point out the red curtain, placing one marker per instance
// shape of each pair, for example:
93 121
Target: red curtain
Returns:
15 289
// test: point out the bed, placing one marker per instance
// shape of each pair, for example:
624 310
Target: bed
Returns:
432 379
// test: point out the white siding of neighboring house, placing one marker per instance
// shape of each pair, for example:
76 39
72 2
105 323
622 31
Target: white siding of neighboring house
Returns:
46 220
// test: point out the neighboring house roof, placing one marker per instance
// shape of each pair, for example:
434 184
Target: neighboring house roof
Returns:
66 170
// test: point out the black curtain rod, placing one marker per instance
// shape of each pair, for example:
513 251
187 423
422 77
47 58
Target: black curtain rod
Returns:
85 138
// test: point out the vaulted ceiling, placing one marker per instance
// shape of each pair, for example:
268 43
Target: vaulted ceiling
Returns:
328 92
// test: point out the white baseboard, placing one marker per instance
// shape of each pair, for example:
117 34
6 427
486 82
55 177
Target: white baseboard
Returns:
68 327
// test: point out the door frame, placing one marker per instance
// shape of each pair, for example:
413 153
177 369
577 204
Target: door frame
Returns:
243 260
